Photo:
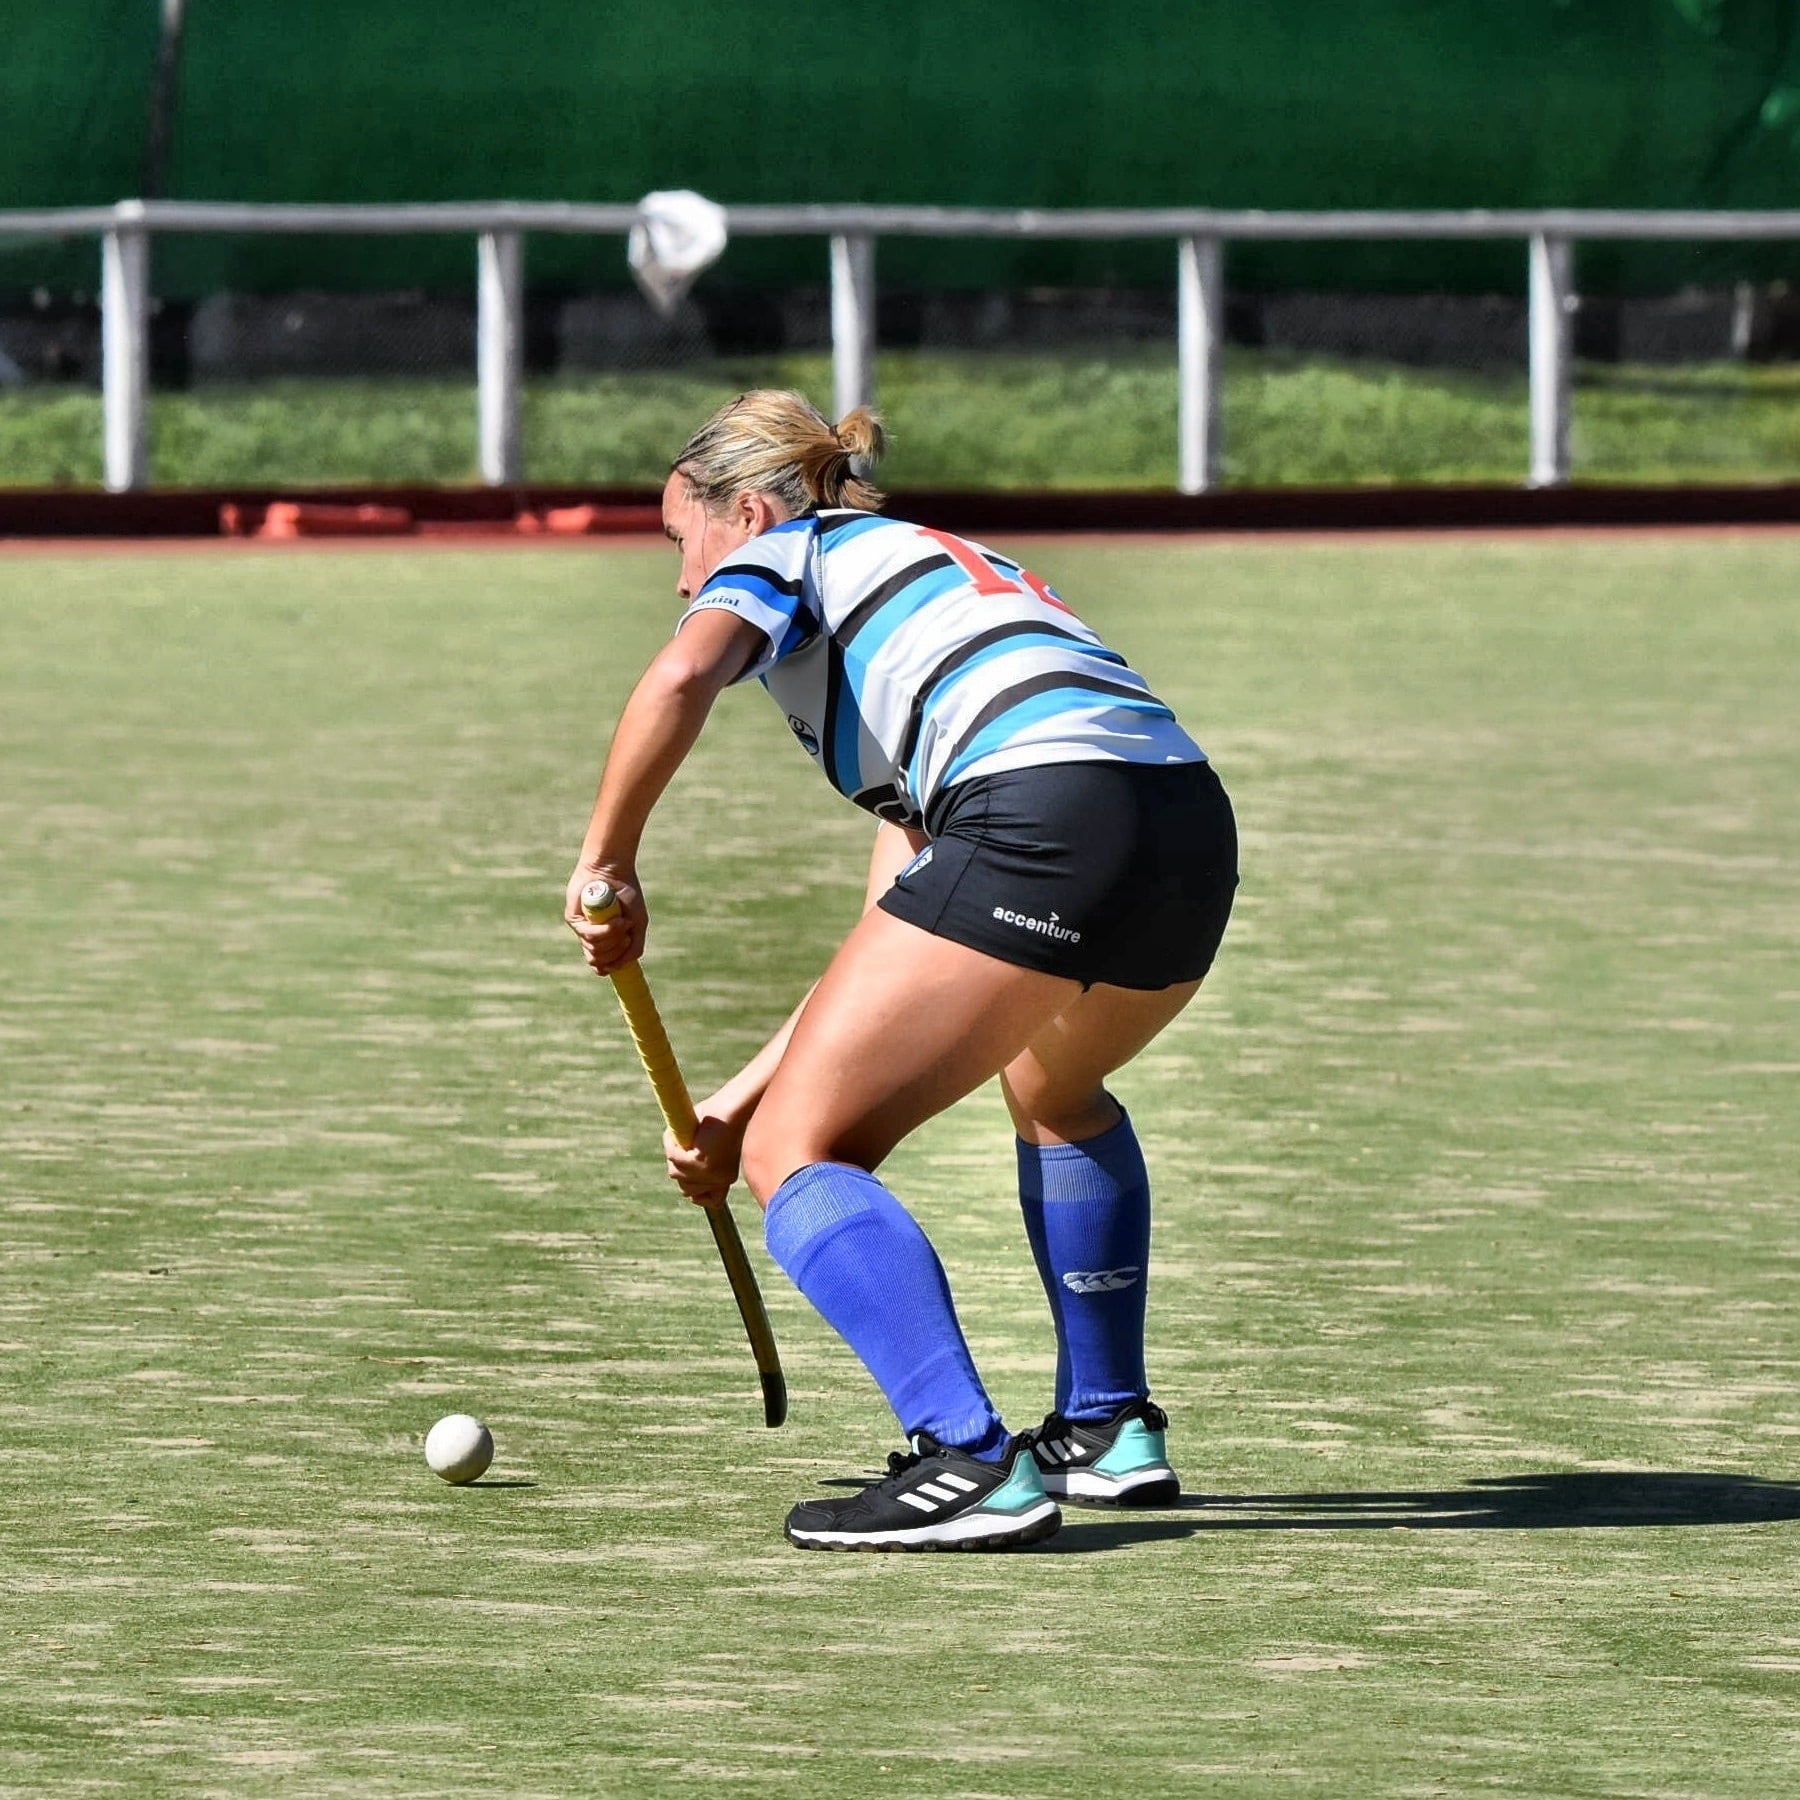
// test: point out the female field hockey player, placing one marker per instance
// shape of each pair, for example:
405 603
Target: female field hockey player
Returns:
1050 880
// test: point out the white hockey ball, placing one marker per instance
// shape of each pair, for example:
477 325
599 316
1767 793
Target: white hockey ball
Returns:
459 1448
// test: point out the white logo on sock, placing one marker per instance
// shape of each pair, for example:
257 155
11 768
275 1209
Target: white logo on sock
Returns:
1100 1281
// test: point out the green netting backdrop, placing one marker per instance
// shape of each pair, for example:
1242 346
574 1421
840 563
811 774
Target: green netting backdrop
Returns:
1284 103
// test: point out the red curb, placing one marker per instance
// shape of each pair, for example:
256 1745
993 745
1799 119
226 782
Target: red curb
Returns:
197 512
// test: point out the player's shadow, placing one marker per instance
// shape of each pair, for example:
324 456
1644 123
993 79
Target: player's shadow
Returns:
1565 1502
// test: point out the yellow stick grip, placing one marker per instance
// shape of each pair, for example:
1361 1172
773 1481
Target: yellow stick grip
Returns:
655 1052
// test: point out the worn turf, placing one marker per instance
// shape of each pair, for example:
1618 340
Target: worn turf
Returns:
1476 1257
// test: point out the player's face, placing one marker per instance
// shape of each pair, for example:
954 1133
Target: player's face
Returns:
703 539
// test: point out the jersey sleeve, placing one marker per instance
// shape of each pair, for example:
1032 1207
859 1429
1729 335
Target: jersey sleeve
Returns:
764 584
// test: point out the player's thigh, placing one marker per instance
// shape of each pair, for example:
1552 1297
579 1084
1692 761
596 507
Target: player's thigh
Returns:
1053 1084
902 1025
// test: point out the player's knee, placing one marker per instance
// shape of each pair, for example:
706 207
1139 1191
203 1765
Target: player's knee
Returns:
1053 1114
775 1148
771 1154
1044 1106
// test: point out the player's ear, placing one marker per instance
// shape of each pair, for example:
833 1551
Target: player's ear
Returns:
757 511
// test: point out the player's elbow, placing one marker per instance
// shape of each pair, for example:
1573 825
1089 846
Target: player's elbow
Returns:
707 655
686 676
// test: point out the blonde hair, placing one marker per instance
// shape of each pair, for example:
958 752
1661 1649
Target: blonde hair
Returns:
772 441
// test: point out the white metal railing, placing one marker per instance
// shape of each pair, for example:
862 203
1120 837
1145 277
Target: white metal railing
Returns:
1199 234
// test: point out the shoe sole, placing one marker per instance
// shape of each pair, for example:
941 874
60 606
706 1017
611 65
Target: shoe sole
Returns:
1081 1487
1027 1528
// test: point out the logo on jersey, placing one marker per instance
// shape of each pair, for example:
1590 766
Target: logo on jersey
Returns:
809 739
1051 927
1100 1281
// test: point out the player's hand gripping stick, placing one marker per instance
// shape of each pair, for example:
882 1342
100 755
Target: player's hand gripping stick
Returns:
599 903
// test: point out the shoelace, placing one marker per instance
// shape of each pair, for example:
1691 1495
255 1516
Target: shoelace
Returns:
903 1462
900 1461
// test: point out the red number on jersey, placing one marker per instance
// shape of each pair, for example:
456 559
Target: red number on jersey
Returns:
988 579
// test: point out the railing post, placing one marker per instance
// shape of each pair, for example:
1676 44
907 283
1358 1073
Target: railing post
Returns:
500 354
125 348
1552 357
1200 342
852 321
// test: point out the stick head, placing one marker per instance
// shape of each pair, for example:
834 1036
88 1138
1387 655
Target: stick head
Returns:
599 903
774 1387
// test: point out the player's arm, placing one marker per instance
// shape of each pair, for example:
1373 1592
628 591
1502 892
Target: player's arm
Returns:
657 729
710 1165
706 1168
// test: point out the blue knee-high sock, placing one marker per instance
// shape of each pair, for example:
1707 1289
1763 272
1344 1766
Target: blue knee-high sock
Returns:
1087 1214
860 1257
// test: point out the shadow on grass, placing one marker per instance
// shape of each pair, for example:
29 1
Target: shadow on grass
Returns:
1569 1502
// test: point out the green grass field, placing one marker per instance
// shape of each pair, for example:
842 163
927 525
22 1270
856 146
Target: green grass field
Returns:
1477 1262
976 419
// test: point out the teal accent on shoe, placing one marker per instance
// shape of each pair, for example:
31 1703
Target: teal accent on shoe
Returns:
1136 1447
1021 1490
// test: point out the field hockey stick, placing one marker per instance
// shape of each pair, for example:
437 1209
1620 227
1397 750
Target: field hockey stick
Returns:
599 903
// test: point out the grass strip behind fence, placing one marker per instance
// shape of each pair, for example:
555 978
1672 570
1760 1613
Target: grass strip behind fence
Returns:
1065 420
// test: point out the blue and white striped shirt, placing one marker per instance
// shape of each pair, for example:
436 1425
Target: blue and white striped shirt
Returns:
908 660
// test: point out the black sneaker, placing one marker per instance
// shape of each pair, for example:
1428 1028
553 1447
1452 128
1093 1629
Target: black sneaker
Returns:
1119 1461
935 1498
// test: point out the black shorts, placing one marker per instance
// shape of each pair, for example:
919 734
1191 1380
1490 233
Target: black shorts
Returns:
1121 873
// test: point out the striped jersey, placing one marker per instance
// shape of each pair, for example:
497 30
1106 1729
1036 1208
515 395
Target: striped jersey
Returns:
908 660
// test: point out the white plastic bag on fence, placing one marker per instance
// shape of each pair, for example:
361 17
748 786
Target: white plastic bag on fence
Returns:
678 234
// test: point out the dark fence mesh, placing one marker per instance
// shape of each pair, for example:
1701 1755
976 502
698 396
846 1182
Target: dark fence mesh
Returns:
1700 384
50 372
313 386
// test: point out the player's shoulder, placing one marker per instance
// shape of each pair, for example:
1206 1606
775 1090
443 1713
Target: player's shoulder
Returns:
840 525
844 525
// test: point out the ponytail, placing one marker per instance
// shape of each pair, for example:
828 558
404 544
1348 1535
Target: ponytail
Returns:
775 442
